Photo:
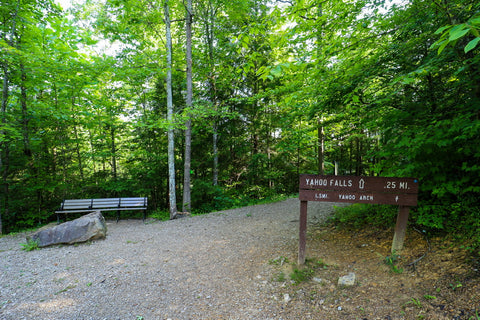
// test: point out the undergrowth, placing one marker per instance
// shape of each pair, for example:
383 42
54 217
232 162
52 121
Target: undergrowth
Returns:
359 215
30 245
465 234
307 271
223 203
392 261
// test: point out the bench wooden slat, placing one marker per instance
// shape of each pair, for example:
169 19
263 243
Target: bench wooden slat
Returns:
132 202
107 209
103 204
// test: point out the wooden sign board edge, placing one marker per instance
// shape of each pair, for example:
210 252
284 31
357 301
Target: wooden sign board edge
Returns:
400 227
358 183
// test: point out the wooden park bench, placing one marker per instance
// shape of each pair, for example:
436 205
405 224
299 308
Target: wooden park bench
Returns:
109 204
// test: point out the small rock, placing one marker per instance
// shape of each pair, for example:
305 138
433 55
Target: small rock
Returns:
347 281
179 215
286 298
318 280
339 308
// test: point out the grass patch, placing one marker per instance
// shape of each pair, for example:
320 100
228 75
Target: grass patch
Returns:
301 275
392 262
306 272
279 261
161 215
416 302
64 289
280 277
30 245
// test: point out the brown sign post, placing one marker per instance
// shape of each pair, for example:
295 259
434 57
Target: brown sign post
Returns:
357 189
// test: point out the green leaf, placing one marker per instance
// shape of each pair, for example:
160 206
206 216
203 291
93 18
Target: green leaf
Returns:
442 29
277 71
471 45
475 20
442 46
458 31
408 80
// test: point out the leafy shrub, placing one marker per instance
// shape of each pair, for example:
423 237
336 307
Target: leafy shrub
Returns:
162 215
207 198
392 261
460 219
30 245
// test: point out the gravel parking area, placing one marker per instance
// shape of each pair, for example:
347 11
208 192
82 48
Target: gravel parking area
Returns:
214 266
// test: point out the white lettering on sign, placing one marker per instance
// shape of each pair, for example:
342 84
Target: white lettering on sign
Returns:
366 198
321 196
346 196
316 182
393 185
340 183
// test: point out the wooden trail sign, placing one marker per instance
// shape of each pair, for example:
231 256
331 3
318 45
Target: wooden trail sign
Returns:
357 189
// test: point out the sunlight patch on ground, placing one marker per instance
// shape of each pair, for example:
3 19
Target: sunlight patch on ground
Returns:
51 305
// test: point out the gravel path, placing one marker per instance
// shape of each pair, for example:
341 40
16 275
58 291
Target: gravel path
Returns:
213 266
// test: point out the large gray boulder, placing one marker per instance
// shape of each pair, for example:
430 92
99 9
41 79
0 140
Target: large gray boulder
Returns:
88 227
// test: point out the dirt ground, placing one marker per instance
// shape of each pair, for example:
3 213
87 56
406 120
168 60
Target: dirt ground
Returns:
431 279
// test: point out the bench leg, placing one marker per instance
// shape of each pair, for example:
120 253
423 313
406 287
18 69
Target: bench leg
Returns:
118 215
144 214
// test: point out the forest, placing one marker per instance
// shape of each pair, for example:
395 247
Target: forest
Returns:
213 104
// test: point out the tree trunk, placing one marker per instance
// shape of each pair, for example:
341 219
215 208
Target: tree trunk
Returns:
321 148
186 205
77 143
114 152
25 117
215 154
171 136
209 15
321 135
92 149
4 146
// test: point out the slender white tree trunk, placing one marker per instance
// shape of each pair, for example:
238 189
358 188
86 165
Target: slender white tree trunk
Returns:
321 130
171 136
186 204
